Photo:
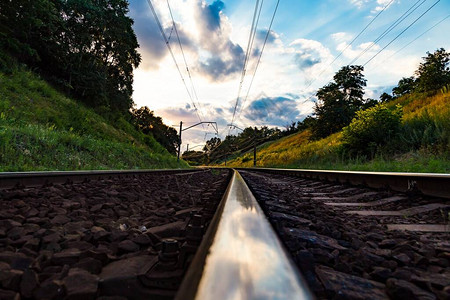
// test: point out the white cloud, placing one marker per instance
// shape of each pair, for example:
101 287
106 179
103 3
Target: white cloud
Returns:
359 3
382 4
340 37
379 4
311 57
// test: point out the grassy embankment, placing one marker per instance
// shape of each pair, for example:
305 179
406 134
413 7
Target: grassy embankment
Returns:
423 144
41 129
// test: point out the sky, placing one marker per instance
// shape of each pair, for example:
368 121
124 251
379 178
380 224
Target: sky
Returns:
309 41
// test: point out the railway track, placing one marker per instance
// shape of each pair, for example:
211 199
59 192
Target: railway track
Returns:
203 234
356 242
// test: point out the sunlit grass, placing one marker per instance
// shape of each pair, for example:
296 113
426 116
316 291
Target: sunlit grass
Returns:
40 129
424 144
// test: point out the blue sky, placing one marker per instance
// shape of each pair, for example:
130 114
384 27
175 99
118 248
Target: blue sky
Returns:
306 36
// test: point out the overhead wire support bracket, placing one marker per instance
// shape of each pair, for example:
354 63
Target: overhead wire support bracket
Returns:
213 124
235 127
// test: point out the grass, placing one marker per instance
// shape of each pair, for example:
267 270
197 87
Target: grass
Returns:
423 145
41 129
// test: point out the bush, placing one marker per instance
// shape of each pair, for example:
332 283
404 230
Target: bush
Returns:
371 129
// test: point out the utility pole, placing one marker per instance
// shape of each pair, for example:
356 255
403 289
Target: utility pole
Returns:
179 140
214 125
187 148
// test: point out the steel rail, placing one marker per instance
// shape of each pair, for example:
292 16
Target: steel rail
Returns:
240 256
11 179
437 185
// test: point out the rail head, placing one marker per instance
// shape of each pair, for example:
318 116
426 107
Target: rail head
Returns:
430 184
244 258
11 179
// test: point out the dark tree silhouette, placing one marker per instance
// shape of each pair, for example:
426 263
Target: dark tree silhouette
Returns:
86 46
406 85
145 120
434 72
338 101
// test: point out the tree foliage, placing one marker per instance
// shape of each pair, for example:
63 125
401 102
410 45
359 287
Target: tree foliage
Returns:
212 144
371 129
145 120
86 46
406 85
339 100
434 72
385 97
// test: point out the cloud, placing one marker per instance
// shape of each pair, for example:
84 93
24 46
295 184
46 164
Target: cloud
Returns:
359 3
212 15
273 111
152 46
271 38
380 4
310 53
205 38
218 67
374 92
176 114
223 57
341 37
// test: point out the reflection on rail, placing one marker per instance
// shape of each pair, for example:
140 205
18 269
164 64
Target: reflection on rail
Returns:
245 260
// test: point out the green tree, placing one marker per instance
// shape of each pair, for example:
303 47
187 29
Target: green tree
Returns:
212 144
87 46
405 86
434 72
29 30
385 97
338 101
103 51
306 123
145 120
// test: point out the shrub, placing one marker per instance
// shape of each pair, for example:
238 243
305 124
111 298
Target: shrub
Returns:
371 129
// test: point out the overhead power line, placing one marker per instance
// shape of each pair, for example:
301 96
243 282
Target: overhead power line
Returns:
390 28
247 53
419 36
173 56
259 58
362 31
397 22
342 52
404 30
351 43
184 58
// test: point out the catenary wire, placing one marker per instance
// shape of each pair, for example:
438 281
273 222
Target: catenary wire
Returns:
354 39
404 30
173 56
397 22
185 61
382 35
252 33
259 58
418 37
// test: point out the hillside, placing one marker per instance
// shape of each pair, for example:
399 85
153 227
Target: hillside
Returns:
41 129
424 138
